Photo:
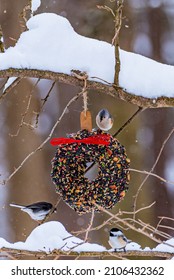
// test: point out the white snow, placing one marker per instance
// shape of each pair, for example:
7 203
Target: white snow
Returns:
167 246
9 82
49 236
53 235
35 5
133 246
52 44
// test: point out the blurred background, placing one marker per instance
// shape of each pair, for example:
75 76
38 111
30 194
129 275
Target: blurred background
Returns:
148 29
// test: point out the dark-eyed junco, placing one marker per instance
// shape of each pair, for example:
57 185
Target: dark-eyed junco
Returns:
37 211
117 240
104 120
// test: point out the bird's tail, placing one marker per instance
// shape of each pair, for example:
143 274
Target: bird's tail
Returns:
16 205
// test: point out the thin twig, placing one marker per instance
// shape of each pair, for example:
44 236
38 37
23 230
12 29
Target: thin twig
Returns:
44 101
115 40
89 226
152 174
167 227
106 222
25 113
130 225
75 246
23 117
118 22
93 229
51 212
45 141
142 226
138 210
154 230
140 109
107 9
154 165
23 15
8 89
164 218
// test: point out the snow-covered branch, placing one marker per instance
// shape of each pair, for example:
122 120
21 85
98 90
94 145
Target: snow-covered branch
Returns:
103 88
51 240
51 49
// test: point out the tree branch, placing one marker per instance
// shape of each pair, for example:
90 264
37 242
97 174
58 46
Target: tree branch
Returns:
153 167
115 40
45 141
41 255
140 109
109 89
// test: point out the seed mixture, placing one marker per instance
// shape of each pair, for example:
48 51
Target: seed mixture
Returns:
68 170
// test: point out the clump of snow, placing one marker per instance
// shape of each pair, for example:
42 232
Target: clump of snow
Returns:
167 246
133 246
52 44
49 236
9 82
147 249
35 4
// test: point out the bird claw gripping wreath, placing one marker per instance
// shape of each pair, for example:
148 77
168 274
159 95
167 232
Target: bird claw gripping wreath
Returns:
69 166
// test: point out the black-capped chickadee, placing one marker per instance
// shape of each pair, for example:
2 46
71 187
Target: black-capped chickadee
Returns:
37 211
117 240
104 120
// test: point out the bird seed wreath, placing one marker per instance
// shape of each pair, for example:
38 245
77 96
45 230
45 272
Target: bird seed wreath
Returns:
70 163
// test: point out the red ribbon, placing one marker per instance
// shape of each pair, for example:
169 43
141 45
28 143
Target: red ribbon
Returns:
96 140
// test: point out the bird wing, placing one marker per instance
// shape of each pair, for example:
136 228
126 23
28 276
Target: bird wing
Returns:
40 206
124 238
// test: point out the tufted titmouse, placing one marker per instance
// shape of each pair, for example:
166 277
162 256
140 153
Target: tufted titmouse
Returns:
104 120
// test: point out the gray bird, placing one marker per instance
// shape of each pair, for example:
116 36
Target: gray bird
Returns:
104 120
37 211
117 240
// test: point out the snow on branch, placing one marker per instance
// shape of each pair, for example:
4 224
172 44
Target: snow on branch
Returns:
51 49
52 240
103 88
